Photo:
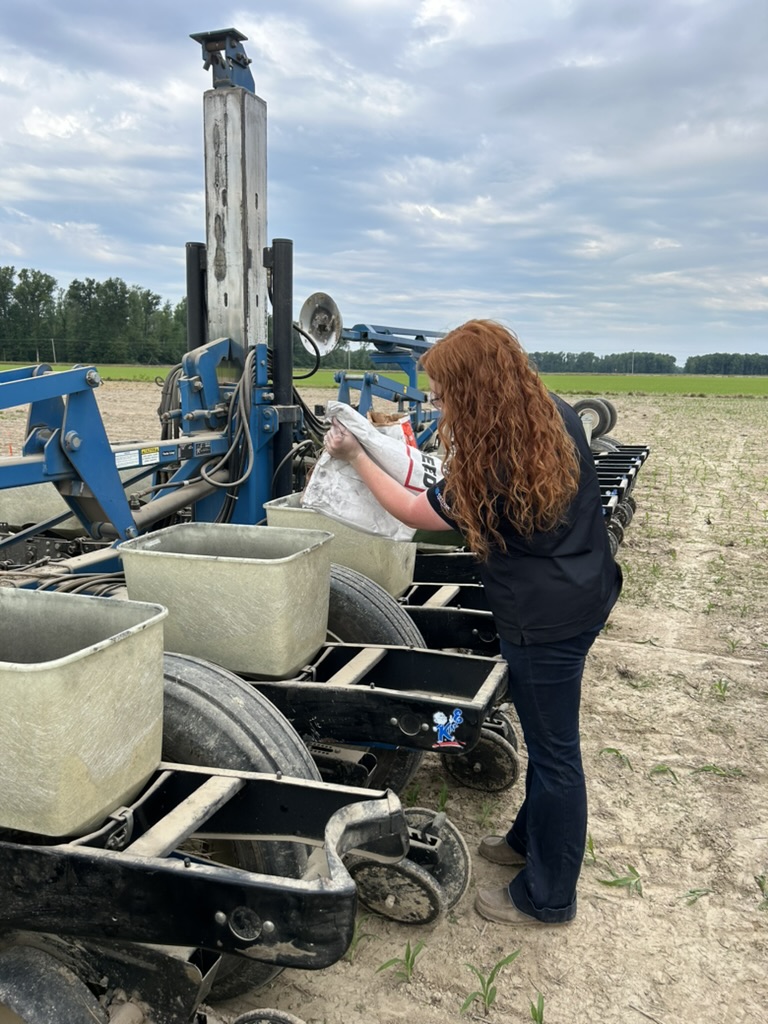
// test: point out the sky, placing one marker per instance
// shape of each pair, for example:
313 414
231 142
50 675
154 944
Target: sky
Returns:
592 173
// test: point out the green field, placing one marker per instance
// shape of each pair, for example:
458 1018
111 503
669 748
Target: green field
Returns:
612 384
561 383
110 372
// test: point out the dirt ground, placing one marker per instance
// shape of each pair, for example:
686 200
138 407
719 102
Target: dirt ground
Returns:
675 733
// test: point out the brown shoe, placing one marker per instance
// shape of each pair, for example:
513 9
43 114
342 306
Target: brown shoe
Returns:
495 905
497 850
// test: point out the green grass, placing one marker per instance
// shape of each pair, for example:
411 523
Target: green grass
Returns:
610 384
110 372
561 383
654 384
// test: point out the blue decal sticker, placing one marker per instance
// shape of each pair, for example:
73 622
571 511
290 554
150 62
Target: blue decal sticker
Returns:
445 727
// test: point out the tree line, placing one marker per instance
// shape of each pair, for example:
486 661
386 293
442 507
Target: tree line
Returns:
113 322
88 322
719 363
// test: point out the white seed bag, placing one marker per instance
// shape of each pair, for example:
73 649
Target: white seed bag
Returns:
336 490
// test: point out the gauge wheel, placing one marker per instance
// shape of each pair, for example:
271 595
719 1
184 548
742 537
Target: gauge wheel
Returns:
362 612
403 892
211 717
453 870
491 766
36 988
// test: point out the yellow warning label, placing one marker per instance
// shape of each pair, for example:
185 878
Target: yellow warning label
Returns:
149 456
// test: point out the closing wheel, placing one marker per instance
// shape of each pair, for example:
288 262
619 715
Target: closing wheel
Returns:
615 529
212 718
624 513
453 870
613 543
501 722
36 988
403 892
491 766
362 612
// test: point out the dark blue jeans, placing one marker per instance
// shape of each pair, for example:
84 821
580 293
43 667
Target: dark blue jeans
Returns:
550 829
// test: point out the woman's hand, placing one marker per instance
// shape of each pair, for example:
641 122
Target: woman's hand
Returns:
342 444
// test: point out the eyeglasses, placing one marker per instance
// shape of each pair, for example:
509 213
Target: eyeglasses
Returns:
434 399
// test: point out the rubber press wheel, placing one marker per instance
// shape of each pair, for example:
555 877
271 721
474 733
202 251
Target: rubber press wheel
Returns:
453 870
362 612
404 892
491 766
500 721
36 988
212 718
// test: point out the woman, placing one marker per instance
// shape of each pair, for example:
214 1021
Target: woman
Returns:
521 487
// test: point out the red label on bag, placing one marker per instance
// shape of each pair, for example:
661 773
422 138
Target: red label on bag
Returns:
408 434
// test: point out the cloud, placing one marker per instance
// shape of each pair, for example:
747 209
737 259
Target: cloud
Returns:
591 172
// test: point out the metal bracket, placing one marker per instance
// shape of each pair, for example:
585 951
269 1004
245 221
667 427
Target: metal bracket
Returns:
223 51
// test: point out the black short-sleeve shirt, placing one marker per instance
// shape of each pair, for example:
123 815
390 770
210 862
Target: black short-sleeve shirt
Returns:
554 584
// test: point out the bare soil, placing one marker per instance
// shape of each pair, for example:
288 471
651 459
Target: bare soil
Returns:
675 731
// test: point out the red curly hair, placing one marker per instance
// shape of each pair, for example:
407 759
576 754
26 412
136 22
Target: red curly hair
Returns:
503 434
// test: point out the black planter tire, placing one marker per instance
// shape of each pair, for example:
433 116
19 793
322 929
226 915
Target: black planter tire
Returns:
212 718
362 612
36 988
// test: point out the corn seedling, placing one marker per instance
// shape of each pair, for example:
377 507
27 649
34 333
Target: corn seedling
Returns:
486 994
590 856
537 1009
621 758
693 895
663 769
357 937
720 688
716 769
442 798
486 810
631 881
762 884
411 795
405 964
